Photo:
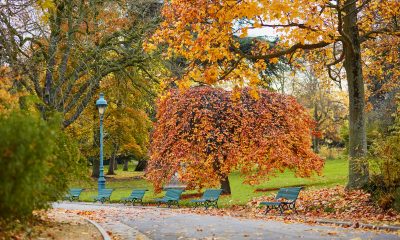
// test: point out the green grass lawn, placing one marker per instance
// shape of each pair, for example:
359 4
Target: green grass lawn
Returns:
335 173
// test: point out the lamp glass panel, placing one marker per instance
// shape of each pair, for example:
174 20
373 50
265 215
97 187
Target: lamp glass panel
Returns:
102 110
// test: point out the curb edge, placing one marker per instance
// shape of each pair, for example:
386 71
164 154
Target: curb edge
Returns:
360 225
103 232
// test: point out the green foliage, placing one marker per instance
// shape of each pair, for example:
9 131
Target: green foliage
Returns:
386 162
396 204
344 135
37 161
374 131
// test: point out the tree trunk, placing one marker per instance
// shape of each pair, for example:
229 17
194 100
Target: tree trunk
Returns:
116 150
111 165
315 139
358 164
96 167
126 161
225 186
115 164
96 144
315 144
141 166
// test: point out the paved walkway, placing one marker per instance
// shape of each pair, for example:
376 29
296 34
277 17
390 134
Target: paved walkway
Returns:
129 222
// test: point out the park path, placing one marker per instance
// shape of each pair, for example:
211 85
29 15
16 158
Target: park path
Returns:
127 222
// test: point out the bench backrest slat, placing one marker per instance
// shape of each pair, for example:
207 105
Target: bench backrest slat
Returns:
173 194
212 194
290 194
138 193
75 191
106 192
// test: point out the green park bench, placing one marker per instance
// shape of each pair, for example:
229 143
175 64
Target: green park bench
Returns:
104 195
171 197
73 194
209 199
284 200
135 197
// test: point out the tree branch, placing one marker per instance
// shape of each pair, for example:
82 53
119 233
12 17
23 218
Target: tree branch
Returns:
81 106
386 31
290 50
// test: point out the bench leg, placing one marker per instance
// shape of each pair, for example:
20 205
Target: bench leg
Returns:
200 204
289 206
211 204
267 209
139 201
294 208
281 208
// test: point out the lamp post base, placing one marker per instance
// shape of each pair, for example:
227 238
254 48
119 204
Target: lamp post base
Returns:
101 183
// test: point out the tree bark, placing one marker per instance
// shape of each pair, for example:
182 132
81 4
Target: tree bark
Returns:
358 164
111 167
315 139
315 144
225 186
126 161
96 167
51 61
96 144
115 163
141 166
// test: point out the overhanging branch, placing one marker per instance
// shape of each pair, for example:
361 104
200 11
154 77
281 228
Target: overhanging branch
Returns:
290 50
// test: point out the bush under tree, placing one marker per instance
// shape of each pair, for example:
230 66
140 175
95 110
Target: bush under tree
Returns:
385 180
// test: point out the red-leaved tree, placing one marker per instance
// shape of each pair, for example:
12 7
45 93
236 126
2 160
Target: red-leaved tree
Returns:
205 133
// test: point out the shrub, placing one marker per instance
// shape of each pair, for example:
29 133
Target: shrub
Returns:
330 153
385 179
36 162
344 135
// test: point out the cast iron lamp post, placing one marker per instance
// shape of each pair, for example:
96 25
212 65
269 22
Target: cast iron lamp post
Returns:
101 105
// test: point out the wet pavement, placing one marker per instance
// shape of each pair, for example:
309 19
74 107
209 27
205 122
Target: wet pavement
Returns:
129 222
